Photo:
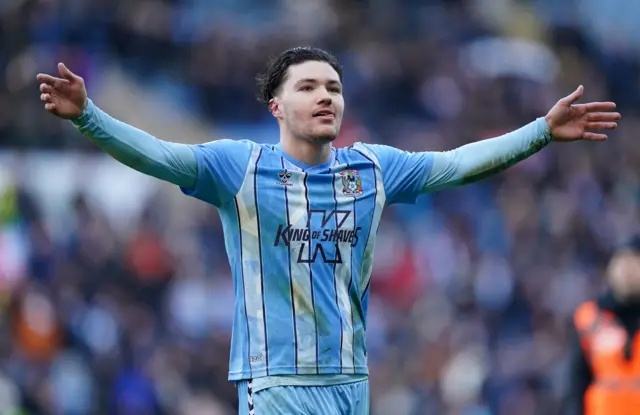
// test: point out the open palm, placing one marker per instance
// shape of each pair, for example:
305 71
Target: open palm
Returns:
65 97
569 121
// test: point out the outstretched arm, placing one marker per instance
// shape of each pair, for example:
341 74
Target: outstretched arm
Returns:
66 97
172 162
475 161
406 175
212 171
566 121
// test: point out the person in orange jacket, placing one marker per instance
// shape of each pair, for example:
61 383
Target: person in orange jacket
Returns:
604 372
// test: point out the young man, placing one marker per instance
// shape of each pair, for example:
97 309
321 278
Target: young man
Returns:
300 219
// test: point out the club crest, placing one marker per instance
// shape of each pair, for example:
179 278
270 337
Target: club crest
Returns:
351 183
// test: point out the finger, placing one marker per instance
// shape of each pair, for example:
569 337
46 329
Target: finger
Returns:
602 125
594 136
603 116
573 97
598 106
45 97
66 73
47 79
46 88
50 106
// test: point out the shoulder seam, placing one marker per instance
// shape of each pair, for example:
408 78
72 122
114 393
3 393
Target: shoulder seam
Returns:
360 148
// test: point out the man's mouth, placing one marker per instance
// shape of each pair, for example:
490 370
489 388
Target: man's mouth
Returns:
324 114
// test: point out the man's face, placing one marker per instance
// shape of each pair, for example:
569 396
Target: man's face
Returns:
624 275
310 103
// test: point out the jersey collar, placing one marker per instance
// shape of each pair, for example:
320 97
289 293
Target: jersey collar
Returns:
308 167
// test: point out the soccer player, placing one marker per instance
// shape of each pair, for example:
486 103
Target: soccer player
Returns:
300 219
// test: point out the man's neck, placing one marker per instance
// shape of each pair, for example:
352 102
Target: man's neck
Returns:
309 153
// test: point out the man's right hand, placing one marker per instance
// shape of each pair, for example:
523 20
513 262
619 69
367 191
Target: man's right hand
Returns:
64 97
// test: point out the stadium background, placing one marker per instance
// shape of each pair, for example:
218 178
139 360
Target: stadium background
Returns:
115 291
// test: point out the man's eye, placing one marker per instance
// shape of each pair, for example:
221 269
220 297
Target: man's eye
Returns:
306 88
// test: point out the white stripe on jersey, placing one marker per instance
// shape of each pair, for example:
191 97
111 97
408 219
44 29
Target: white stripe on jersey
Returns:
251 271
367 259
342 274
300 275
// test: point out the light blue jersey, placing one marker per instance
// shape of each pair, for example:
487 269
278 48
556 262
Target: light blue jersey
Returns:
300 240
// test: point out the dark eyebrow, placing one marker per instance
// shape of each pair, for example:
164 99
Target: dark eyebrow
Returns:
315 81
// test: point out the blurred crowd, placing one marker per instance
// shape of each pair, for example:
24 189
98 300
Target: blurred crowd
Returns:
473 288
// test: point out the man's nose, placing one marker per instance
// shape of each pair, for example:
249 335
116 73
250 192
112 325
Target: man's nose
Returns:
324 97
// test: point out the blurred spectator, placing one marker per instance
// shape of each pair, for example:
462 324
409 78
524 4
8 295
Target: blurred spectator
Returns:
603 368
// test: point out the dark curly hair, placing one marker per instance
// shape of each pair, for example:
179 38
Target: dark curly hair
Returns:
270 81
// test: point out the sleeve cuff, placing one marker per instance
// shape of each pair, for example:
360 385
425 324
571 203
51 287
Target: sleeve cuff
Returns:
545 130
86 115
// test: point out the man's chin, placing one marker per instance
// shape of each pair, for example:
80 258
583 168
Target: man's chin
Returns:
324 138
324 135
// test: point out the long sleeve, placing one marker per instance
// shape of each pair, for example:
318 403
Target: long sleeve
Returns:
173 162
578 380
481 159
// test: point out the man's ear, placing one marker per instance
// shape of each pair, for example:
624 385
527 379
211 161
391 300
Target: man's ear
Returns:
274 107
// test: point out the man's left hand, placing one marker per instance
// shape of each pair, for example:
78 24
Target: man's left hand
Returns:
569 121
